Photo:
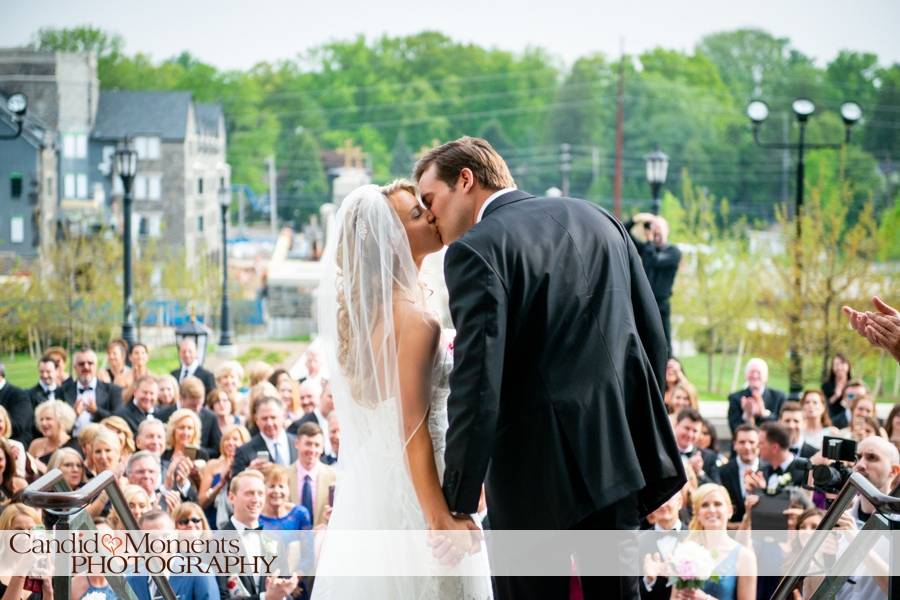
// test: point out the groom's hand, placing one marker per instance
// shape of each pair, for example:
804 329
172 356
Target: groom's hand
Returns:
453 538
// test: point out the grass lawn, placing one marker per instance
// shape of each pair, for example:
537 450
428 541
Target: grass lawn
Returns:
697 370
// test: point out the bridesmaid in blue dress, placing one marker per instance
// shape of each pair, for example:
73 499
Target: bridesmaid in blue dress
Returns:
735 564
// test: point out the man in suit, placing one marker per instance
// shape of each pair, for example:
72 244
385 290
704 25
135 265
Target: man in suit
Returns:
791 416
192 398
92 399
247 493
144 404
688 426
191 367
559 361
18 405
59 356
774 449
756 403
664 518
310 478
737 475
310 394
272 439
45 389
195 586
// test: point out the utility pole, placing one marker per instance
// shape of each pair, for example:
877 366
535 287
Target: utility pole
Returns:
273 196
565 166
620 123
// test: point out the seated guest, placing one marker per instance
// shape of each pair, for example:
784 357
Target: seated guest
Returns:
334 436
217 473
259 371
843 417
262 389
278 512
310 478
18 405
675 378
192 398
892 426
186 587
94 587
310 398
271 444
739 475
54 419
69 461
709 440
756 403
278 377
85 439
92 399
703 462
182 449
289 392
120 427
219 402
143 469
679 399
189 517
19 517
791 416
816 423
22 467
60 356
144 404
864 427
138 502
116 371
140 361
782 468
190 366
10 483
665 518
168 391
326 402
247 493
45 389
151 436
228 378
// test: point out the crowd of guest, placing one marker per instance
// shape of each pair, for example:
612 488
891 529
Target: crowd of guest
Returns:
245 447
773 442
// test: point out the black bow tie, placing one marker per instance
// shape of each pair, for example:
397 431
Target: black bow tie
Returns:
687 453
795 450
82 390
778 471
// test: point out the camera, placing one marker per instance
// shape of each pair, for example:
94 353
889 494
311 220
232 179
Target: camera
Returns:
831 478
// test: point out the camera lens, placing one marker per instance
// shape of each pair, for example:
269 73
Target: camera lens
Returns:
825 476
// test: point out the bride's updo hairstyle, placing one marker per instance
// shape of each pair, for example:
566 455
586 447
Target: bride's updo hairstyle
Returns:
399 185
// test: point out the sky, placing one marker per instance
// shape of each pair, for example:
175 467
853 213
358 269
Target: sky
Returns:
236 34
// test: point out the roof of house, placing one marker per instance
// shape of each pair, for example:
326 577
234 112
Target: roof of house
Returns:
208 118
126 113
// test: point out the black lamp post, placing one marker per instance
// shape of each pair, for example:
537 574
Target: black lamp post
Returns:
803 108
126 166
657 168
226 336
17 105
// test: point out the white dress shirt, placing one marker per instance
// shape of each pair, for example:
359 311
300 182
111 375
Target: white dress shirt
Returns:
283 456
490 199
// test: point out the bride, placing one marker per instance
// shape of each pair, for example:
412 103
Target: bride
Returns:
390 384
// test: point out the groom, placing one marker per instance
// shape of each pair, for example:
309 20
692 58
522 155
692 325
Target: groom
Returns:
556 392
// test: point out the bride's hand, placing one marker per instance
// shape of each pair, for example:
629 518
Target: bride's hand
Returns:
453 538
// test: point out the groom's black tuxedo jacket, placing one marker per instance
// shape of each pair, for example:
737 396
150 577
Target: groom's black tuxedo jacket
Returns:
559 357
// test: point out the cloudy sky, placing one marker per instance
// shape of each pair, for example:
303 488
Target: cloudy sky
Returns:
240 33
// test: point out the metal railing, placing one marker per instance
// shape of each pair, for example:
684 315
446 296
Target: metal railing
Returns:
885 518
51 494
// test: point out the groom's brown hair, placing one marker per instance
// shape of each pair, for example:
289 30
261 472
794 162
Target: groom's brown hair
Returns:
474 153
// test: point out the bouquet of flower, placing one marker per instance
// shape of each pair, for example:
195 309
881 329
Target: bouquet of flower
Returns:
691 566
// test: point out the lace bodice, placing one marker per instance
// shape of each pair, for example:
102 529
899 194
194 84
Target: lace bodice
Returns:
437 413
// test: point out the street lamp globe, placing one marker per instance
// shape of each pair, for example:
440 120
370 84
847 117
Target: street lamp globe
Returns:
17 104
224 197
657 167
126 160
851 112
758 111
803 107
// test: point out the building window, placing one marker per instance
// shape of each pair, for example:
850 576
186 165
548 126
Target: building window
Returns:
81 184
200 223
140 187
75 145
200 186
17 230
50 191
147 147
143 227
15 184
69 185
154 187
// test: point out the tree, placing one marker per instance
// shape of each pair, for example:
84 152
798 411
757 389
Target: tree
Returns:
401 157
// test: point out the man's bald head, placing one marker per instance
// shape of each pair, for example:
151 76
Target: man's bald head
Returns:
878 461
883 447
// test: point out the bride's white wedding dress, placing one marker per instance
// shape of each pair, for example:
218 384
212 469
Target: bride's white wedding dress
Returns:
375 546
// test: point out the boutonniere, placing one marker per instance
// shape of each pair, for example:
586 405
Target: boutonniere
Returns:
780 483
235 588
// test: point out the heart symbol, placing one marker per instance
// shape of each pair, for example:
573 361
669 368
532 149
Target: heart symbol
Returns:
111 542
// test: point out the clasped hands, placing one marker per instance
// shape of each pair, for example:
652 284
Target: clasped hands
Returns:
452 538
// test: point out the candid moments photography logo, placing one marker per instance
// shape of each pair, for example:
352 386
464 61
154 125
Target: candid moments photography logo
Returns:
138 552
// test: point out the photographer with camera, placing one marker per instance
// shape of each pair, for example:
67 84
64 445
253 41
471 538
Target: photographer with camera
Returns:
878 461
